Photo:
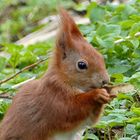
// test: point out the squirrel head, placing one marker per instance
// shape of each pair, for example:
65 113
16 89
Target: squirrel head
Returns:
78 63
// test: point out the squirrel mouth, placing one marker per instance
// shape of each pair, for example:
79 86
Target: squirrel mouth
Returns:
94 87
99 86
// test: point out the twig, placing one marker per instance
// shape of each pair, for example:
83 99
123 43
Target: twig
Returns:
109 135
22 83
128 37
18 85
6 96
22 70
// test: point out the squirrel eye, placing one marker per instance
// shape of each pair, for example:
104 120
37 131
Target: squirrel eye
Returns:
82 65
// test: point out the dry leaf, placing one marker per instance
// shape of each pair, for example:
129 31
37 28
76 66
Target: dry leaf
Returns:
124 88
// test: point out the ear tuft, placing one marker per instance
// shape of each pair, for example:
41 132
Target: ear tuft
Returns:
67 32
68 24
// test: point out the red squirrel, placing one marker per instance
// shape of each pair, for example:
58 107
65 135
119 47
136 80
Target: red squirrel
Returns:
66 96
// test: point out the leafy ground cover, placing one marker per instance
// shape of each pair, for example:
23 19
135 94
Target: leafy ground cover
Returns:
20 17
109 23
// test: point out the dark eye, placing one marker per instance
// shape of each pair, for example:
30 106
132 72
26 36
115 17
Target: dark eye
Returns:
82 65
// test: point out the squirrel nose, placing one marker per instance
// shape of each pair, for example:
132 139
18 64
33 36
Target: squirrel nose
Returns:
105 82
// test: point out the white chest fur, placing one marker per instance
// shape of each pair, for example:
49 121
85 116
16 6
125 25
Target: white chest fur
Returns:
69 136
75 134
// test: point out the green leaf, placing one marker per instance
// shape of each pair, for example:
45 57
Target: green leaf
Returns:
138 126
114 119
126 24
96 12
3 108
101 124
136 110
135 76
135 28
81 7
130 129
90 136
125 138
135 42
122 96
119 69
134 120
108 29
117 77
106 43
2 63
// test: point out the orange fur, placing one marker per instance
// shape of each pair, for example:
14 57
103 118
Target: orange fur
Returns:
64 97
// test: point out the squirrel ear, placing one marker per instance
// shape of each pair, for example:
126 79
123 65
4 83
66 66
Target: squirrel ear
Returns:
67 32
68 28
68 24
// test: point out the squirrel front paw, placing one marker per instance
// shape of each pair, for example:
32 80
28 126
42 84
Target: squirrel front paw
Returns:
102 96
